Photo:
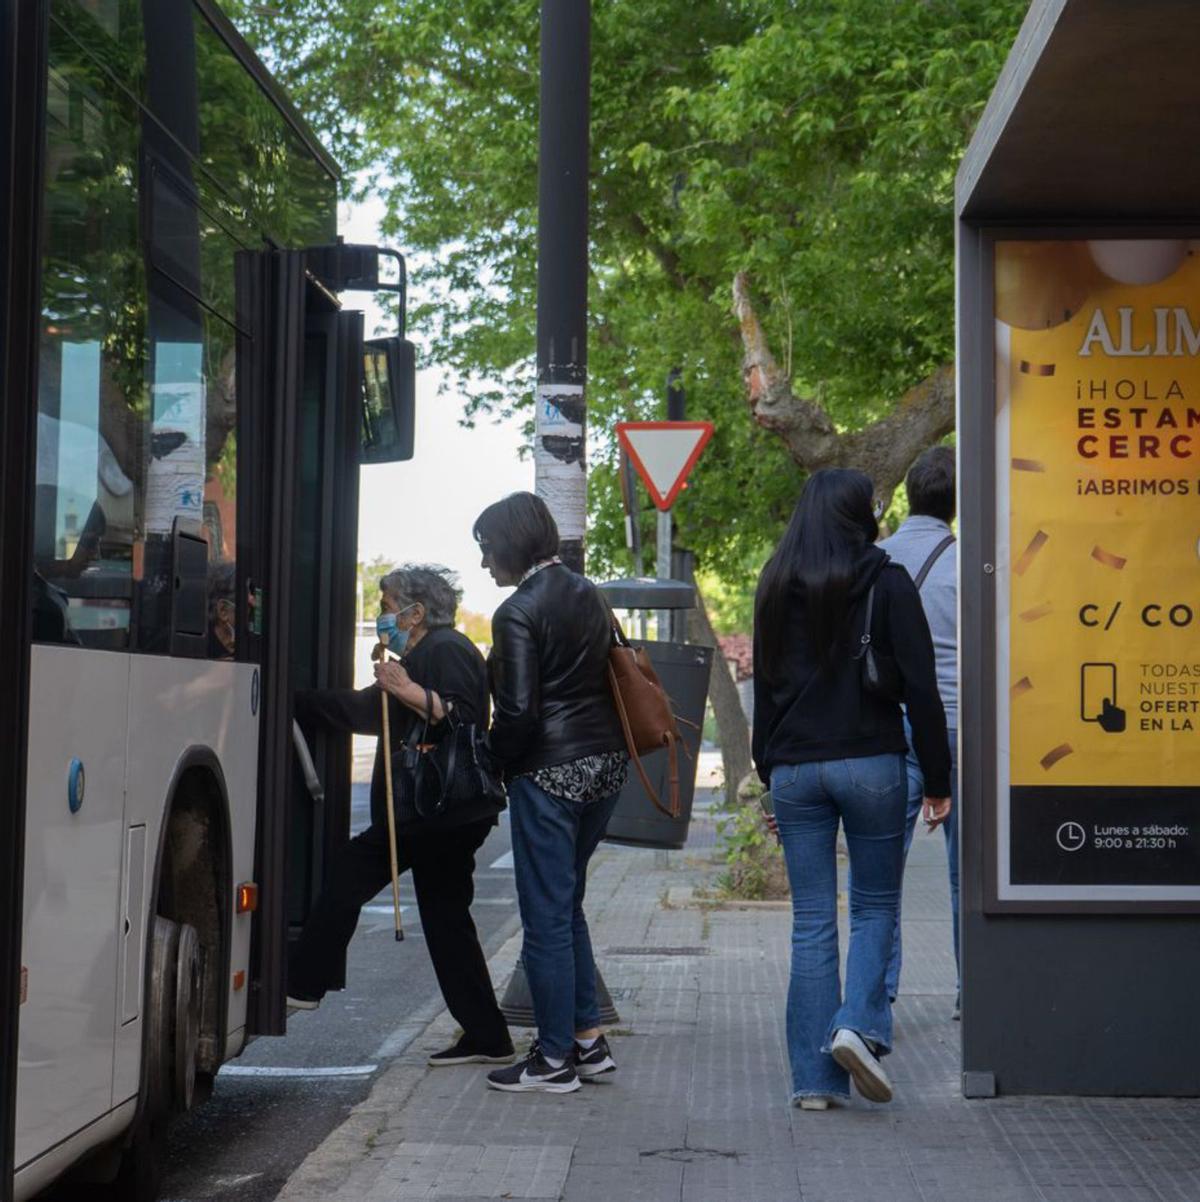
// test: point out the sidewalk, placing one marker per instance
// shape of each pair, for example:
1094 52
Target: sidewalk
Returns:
699 1108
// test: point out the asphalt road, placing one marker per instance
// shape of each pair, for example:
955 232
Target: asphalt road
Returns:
280 1099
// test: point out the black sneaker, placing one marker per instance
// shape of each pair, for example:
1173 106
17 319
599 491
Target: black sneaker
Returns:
594 1061
466 1052
534 1074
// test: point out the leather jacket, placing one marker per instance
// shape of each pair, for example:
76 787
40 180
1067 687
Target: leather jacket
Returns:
549 674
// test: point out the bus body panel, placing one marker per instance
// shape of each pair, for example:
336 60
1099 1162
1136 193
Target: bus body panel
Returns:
70 937
195 704
36 1176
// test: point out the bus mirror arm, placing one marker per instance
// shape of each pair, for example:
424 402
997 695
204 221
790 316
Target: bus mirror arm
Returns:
400 286
354 267
304 755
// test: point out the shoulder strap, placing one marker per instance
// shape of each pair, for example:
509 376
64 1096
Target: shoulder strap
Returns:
934 556
866 634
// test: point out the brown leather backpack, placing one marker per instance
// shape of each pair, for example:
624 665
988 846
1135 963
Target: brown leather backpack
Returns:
645 711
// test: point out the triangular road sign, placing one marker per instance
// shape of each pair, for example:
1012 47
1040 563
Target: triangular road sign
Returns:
664 453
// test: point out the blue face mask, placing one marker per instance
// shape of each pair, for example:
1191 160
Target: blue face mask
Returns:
386 628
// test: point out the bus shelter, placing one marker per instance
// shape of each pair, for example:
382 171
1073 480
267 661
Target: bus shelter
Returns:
1078 217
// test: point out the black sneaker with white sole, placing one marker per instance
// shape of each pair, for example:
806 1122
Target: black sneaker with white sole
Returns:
595 1061
850 1050
534 1074
300 1001
466 1052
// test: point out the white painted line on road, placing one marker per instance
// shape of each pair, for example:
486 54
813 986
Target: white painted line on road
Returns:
505 861
253 1070
388 909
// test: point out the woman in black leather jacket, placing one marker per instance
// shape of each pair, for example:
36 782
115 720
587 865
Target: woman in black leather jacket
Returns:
556 733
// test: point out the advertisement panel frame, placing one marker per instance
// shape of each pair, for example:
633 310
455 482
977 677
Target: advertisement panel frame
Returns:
979 503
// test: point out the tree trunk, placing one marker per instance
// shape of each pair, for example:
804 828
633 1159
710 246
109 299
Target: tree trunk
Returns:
732 726
884 450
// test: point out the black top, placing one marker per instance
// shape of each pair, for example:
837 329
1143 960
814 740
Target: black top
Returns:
446 662
549 674
808 713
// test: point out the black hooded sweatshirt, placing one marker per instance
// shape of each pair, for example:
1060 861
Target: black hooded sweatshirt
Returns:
805 711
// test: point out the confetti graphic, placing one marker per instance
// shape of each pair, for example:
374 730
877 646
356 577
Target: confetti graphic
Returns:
1036 543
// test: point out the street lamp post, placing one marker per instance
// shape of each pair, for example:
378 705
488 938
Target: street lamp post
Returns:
560 462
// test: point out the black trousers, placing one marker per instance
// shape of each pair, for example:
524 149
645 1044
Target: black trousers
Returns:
443 867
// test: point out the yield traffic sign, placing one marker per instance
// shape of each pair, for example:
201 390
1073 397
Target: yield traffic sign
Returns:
664 453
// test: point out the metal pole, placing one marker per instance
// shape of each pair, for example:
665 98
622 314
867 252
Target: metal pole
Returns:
560 465
676 412
663 570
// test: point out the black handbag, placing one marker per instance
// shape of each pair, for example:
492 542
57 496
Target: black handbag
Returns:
878 670
452 771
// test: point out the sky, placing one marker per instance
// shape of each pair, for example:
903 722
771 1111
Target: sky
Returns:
422 511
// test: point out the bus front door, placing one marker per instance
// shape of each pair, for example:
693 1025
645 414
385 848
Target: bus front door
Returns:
299 582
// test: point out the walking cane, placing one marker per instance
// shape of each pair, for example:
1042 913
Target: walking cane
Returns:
391 813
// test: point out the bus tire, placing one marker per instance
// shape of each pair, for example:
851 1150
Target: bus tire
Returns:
188 998
173 998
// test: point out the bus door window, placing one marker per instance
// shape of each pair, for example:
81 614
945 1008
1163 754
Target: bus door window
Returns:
191 458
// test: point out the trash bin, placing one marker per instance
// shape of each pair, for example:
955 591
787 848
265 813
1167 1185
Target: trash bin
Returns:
684 670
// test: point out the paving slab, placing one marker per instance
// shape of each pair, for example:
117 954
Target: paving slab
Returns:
699 1109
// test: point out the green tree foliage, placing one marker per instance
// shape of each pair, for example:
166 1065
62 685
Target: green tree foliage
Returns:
809 143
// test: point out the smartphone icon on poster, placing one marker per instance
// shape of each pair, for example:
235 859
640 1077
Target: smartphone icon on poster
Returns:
1098 697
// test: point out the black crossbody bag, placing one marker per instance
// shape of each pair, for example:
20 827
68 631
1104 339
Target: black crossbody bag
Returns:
444 774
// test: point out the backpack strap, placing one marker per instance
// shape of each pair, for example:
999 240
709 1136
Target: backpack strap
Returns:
934 556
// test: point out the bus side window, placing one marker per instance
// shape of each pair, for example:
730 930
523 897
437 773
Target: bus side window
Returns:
92 348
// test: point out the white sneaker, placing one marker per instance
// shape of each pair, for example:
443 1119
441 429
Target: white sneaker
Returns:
813 1103
302 1003
862 1064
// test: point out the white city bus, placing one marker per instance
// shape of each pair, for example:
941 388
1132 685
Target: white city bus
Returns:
203 402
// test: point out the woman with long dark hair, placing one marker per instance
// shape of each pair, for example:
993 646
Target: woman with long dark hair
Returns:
830 745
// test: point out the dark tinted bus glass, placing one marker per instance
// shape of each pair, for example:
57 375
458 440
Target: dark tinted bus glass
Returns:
249 148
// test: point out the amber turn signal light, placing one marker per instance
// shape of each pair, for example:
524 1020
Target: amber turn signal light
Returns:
247 898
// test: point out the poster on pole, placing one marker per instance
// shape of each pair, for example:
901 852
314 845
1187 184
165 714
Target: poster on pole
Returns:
559 456
1097 375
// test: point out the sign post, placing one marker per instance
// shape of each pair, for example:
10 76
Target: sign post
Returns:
664 453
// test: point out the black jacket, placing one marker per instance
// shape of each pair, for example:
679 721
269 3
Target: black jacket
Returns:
446 662
806 712
549 674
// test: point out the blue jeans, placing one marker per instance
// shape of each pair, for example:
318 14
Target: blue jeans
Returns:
916 795
868 796
553 840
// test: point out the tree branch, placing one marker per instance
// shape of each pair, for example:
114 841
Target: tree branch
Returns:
884 449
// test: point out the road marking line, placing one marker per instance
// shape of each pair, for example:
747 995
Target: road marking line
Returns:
388 909
505 861
254 1070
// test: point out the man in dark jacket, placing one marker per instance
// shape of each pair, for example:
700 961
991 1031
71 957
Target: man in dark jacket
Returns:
418 607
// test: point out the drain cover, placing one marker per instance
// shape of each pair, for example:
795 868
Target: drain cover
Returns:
657 951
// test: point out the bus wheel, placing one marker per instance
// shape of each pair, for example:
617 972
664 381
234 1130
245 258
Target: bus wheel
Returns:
173 999
188 996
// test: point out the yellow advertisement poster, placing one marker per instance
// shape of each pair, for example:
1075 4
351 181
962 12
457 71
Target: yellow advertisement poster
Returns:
1098 392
